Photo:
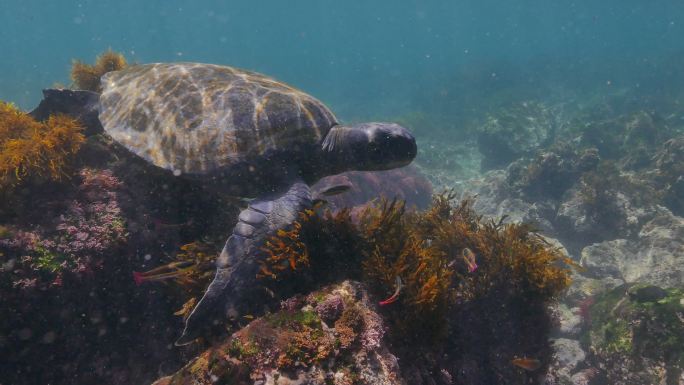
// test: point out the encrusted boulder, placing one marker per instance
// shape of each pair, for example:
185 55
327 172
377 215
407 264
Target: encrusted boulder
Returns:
656 256
332 336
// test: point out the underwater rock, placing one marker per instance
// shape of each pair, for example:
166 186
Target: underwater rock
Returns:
294 346
656 256
406 183
669 160
568 354
617 212
583 287
569 319
552 172
631 137
637 343
514 132
495 198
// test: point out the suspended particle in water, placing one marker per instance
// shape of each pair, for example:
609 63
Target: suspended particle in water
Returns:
176 172
147 257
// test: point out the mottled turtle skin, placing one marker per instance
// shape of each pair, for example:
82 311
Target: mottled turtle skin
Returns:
242 133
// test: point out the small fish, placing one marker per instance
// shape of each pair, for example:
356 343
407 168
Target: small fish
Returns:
470 260
168 271
160 225
248 316
529 364
394 296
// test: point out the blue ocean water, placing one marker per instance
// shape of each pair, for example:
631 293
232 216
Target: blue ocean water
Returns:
464 75
373 58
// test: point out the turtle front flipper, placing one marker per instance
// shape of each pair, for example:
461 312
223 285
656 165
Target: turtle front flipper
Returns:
238 265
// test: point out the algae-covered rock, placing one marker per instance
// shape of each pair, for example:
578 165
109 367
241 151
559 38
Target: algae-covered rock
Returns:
295 346
669 160
630 137
636 341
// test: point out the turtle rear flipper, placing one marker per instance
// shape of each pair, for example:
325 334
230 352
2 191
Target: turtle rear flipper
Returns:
237 265
79 104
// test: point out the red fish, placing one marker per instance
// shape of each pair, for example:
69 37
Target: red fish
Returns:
529 364
394 296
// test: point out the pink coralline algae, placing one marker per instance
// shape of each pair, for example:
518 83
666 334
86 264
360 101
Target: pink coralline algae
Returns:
330 309
292 304
373 331
93 224
91 227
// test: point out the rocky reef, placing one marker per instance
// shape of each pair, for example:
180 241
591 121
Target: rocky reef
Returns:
446 270
607 189
566 268
331 336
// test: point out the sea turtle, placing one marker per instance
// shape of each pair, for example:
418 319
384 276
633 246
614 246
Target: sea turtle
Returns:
241 131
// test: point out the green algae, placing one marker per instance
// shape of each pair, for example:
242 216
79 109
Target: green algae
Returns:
243 350
301 317
649 329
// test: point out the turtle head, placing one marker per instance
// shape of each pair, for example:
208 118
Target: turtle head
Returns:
369 147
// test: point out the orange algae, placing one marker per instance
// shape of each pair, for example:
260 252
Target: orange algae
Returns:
87 77
419 246
285 250
324 244
398 250
29 148
390 243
